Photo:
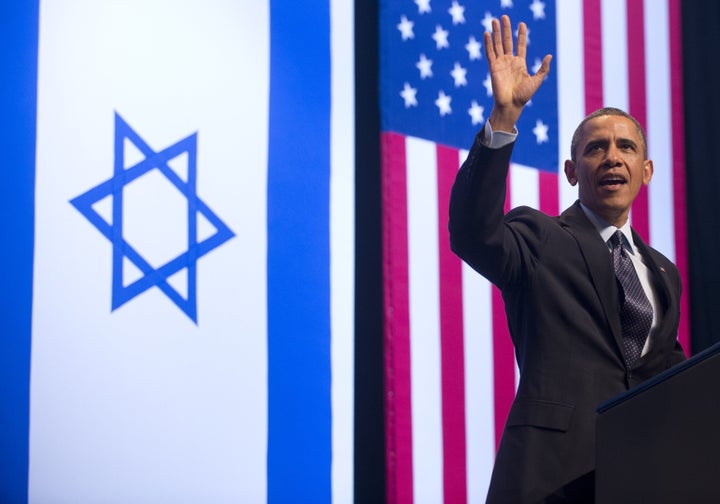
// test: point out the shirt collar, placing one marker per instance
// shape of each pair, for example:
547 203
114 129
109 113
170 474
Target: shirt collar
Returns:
607 230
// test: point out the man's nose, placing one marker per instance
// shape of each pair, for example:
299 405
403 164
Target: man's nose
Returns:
612 156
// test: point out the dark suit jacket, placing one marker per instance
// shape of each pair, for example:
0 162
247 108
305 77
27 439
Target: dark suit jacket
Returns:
561 301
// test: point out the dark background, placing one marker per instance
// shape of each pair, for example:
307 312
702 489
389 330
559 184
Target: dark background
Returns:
701 91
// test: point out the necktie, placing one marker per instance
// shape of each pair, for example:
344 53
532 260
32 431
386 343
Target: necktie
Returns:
636 313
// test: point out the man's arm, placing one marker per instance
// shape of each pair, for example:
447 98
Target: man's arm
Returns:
478 195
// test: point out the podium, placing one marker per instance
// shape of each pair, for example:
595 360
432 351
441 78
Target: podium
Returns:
660 442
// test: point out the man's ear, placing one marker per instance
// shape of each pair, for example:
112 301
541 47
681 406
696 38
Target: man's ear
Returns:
648 170
570 172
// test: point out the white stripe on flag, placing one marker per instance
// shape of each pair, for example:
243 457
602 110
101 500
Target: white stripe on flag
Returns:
424 320
614 54
571 105
659 127
479 390
342 247
524 186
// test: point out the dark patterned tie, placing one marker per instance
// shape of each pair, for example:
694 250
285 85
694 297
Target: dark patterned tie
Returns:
636 313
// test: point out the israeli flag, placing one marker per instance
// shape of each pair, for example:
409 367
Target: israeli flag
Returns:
177 201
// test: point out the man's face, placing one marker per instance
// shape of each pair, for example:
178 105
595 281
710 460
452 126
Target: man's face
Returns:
609 167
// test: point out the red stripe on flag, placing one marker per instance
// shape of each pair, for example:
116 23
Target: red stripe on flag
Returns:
592 54
549 197
503 354
640 214
678 148
637 98
451 339
504 364
398 412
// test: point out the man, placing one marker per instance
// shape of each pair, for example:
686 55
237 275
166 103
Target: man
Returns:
582 332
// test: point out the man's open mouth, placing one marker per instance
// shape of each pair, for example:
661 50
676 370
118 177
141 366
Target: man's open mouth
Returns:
612 181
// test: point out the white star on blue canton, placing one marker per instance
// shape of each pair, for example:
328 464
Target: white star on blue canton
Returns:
425 66
443 103
457 12
473 49
458 74
487 22
538 9
541 132
476 113
441 37
487 83
423 6
406 28
408 94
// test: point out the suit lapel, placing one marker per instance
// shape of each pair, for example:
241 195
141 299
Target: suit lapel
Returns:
599 265
659 278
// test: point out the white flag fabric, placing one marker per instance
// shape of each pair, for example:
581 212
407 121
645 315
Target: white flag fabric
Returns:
191 327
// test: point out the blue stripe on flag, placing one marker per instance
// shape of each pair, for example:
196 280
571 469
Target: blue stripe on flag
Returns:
298 262
18 105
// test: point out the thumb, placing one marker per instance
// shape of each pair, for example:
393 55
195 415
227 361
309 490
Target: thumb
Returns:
544 67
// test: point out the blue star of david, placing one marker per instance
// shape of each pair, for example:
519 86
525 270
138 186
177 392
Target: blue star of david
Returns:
152 277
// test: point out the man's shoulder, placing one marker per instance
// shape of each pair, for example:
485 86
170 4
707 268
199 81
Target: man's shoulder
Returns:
524 212
528 221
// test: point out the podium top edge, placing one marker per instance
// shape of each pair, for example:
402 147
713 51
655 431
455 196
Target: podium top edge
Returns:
665 375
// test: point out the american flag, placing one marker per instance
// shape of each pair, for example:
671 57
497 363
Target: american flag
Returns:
450 370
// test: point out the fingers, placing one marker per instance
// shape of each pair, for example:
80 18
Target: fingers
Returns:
507 38
496 39
489 50
522 39
500 42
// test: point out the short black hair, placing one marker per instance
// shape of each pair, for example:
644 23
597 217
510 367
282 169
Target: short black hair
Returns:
609 111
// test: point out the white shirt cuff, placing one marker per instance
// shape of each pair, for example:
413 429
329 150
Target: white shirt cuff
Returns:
497 139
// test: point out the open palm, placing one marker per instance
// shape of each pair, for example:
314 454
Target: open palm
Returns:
512 85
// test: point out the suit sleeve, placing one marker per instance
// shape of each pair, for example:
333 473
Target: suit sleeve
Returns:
477 226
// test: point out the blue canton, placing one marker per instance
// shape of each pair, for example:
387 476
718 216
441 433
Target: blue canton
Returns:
435 83
152 277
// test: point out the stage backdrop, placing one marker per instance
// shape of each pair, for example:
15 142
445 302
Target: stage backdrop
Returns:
177 194
450 373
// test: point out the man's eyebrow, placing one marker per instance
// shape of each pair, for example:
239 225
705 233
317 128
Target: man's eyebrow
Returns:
597 141
627 140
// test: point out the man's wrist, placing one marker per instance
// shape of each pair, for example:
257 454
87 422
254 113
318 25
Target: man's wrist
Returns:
496 139
503 119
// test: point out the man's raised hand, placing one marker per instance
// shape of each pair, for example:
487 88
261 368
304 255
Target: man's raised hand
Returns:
512 85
